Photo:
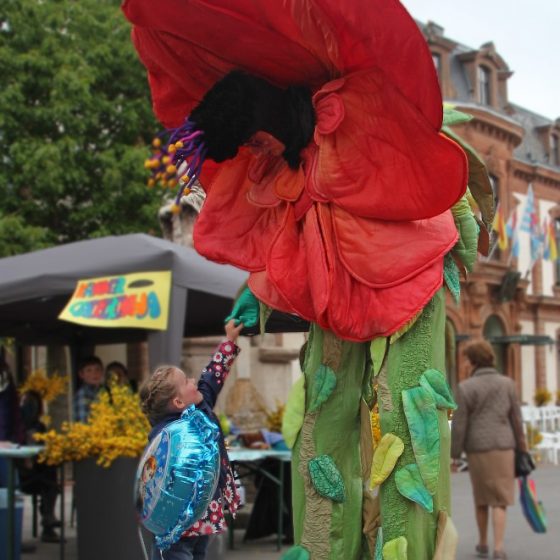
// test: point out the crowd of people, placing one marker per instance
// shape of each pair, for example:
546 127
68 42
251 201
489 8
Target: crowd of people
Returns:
21 418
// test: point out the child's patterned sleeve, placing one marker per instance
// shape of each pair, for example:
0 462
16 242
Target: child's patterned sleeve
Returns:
216 372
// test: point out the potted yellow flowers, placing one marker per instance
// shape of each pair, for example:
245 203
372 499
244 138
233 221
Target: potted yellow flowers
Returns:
105 452
116 428
47 387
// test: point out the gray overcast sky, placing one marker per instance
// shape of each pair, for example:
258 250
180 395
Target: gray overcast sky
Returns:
526 35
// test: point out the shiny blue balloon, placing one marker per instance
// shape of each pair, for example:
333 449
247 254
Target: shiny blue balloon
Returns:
177 476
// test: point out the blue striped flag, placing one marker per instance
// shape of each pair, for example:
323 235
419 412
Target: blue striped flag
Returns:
529 214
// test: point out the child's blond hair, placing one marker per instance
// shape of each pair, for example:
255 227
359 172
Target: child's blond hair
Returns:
156 393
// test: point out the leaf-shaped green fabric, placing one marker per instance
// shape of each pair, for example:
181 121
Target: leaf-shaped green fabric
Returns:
410 485
377 350
451 277
324 382
446 537
466 248
385 457
264 313
296 553
422 418
434 380
292 420
379 545
326 478
395 549
479 180
452 116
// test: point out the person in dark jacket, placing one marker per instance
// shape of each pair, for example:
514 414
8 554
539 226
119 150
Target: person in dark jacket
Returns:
164 396
11 427
38 478
488 427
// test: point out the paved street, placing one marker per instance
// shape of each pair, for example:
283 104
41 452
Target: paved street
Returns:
522 543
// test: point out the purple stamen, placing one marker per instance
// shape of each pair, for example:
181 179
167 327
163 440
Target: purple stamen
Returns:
193 152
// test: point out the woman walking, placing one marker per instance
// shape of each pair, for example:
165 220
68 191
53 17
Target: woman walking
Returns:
488 427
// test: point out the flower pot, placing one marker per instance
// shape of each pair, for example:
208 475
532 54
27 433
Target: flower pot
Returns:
107 527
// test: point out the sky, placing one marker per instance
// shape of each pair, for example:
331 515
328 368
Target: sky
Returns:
526 36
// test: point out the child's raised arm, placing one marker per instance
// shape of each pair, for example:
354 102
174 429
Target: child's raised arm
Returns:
232 331
216 372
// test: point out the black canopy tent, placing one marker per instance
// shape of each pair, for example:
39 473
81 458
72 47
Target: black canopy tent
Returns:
35 287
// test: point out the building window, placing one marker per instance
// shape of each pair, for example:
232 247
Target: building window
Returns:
436 58
484 86
555 150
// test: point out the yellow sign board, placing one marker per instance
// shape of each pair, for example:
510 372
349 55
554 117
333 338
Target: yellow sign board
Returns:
138 300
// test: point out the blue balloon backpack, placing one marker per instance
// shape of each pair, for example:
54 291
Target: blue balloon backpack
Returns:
177 476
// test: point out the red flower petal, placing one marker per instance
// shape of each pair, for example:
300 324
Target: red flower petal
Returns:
385 160
230 229
381 254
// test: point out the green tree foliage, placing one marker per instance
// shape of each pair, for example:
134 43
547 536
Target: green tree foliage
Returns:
17 237
75 119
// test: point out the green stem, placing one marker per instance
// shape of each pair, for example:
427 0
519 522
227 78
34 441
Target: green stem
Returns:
336 433
421 348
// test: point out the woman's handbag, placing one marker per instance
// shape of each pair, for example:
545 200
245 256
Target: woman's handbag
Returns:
524 464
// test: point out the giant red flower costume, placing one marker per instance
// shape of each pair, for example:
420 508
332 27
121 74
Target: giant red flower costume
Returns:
354 239
350 234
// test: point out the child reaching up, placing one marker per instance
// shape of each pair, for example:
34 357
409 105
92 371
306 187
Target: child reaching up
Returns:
164 396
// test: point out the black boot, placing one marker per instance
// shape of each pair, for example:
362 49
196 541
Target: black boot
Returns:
49 535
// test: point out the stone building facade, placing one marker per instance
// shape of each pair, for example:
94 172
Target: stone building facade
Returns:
520 312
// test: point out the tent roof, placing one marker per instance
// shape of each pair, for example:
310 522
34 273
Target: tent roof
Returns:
55 271
35 287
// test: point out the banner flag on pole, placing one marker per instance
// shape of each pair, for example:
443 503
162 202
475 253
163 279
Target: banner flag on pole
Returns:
536 240
499 226
545 240
511 225
513 233
529 211
552 241
550 246
515 246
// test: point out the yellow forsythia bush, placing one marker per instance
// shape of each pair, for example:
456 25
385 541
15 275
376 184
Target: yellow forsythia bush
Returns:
534 437
47 387
542 397
116 427
274 418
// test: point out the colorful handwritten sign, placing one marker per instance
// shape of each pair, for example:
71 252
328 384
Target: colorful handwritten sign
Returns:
131 300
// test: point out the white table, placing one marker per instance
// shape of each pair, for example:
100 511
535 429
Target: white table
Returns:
250 459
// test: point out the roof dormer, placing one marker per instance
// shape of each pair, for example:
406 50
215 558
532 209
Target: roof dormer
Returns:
549 135
441 49
487 74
